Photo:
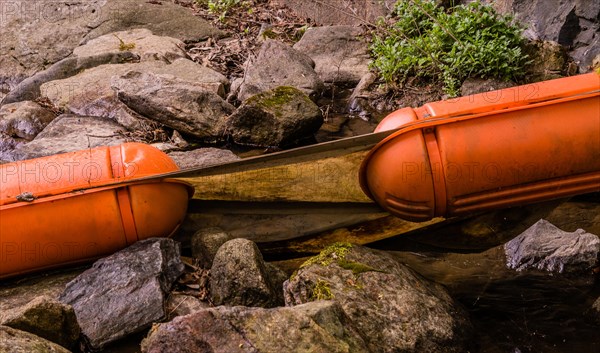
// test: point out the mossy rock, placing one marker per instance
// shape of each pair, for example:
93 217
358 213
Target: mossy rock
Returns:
278 117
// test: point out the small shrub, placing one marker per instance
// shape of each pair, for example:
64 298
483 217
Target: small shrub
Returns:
220 7
430 43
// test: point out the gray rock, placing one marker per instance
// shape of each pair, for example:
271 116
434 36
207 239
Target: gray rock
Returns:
477 85
47 318
69 133
189 107
395 309
140 42
239 276
90 92
313 327
276 277
24 119
125 292
341 56
7 146
277 64
182 304
202 157
29 88
163 19
340 12
38 34
205 244
546 247
16 341
573 24
277 117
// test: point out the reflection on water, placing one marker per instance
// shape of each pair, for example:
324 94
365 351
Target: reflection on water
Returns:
528 311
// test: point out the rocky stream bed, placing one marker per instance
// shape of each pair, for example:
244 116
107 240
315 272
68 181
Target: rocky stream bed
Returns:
79 74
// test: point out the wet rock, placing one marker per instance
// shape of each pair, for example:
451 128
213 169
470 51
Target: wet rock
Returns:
395 309
314 327
192 108
358 103
341 57
69 133
477 85
205 244
125 292
277 64
29 88
47 318
239 276
90 92
38 34
140 42
577 213
546 247
573 24
340 12
16 341
274 118
182 304
24 120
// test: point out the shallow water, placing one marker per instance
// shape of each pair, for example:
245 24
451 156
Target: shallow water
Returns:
529 311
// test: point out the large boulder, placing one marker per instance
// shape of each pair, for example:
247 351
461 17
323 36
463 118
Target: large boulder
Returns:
340 12
341 56
91 93
277 64
29 88
394 308
16 341
314 327
125 292
69 133
545 247
239 277
573 24
140 42
47 318
24 120
192 108
36 34
277 117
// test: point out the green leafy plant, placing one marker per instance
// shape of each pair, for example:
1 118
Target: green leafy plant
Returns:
220 7
427 42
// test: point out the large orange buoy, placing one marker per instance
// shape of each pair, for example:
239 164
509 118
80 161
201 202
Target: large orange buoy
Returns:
488 151
64 209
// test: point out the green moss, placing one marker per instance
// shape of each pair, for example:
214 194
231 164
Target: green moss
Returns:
124 46
321 291
272 100
356 267
336 251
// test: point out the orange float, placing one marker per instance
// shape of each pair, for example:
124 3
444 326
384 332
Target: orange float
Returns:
488 151
63 209
498 149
